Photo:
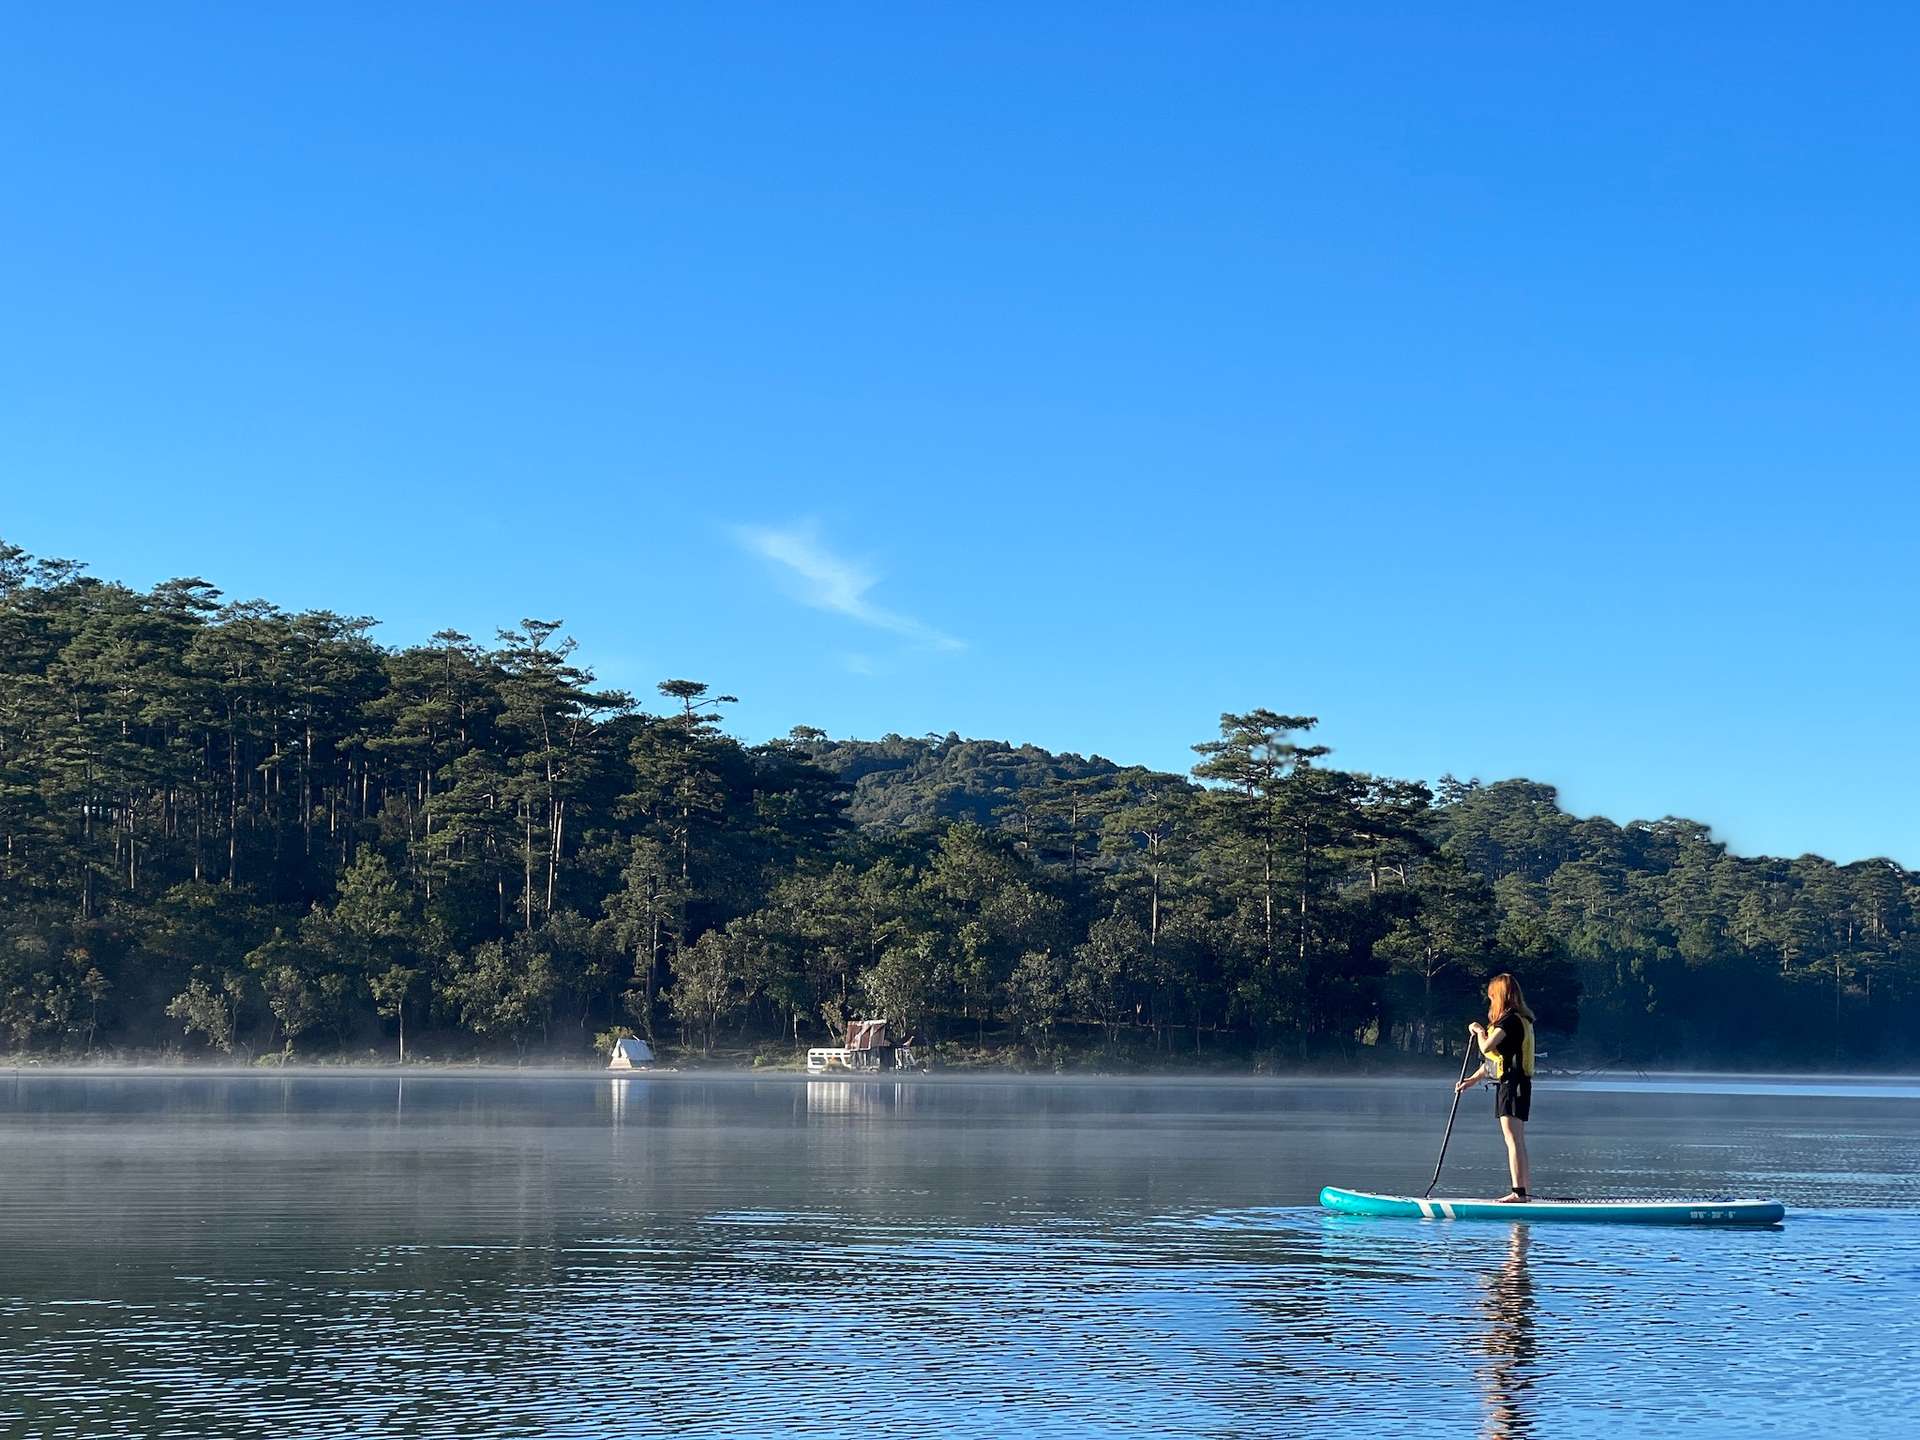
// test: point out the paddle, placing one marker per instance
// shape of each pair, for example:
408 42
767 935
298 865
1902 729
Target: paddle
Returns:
1473 1048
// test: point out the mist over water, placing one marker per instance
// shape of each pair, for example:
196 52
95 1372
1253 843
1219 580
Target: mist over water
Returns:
586 1256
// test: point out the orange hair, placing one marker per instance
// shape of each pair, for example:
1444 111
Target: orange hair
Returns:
1504 997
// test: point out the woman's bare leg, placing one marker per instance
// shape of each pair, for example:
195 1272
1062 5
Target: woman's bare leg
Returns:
1515 1133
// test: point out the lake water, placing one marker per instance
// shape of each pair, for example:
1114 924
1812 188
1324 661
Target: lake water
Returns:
577 1255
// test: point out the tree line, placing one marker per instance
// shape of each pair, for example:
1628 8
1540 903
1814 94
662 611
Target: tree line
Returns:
229 829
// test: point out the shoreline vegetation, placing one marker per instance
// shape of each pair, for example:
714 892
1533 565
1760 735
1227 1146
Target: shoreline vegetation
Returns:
1003 1067
239 834
1412 1069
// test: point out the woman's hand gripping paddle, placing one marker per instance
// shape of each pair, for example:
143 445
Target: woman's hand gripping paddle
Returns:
1473 1048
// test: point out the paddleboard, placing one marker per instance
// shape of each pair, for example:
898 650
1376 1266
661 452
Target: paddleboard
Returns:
1606 1212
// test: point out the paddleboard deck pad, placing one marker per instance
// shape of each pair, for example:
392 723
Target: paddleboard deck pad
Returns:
1606 1212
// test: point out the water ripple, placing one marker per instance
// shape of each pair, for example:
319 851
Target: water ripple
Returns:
702 1264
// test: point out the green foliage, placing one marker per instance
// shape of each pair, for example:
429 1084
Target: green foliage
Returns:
1109 970
898 986
897 783
706 986
1037 997
264 832
209 1006
505 989
392 990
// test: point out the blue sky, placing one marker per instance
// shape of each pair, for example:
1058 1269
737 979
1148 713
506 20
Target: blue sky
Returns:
1522 390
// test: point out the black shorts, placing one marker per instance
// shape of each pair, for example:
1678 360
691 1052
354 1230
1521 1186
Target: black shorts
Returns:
1514 1097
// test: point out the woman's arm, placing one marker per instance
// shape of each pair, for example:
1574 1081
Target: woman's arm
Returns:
1474 1079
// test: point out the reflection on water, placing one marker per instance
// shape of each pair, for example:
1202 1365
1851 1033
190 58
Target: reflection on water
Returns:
637 1255
1508 1308
862 1097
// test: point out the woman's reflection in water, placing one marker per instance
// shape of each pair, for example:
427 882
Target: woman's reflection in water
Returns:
1509 1343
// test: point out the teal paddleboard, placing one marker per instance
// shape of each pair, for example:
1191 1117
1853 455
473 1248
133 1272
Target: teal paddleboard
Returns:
1606 1212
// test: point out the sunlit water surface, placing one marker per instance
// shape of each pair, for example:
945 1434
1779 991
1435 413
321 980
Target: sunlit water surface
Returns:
584 1256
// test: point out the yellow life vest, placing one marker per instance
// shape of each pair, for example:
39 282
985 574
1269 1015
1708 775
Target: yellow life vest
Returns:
1496 1063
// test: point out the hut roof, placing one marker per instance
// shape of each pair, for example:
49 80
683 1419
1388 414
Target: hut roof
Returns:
628 1053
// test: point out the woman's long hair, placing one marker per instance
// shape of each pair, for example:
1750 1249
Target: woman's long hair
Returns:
1503 997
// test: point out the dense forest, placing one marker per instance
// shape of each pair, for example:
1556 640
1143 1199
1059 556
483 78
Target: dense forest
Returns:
230 830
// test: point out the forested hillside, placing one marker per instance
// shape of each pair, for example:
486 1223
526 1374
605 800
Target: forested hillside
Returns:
231 830
899 783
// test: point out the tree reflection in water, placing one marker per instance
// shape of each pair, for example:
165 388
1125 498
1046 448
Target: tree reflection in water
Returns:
1510 1344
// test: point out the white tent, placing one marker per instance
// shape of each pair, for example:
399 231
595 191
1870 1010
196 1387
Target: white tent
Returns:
630 1054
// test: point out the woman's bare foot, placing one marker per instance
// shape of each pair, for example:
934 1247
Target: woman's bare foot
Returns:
1513 1197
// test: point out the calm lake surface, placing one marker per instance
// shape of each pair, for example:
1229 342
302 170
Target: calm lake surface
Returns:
576 1255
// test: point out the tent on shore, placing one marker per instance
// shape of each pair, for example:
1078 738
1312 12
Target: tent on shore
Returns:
630 1054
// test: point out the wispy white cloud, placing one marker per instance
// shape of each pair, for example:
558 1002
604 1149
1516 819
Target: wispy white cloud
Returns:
828 581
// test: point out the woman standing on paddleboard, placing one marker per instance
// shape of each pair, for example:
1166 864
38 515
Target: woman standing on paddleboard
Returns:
1506 1043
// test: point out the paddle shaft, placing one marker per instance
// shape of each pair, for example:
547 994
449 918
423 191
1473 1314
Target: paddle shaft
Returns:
1473 1048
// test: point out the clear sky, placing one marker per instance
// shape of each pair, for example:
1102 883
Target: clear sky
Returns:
1524 390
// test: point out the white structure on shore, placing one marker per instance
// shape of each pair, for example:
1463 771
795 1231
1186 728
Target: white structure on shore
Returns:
630 1054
